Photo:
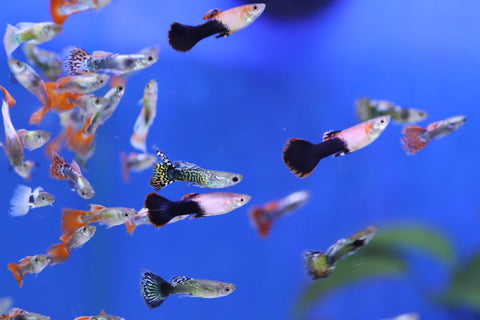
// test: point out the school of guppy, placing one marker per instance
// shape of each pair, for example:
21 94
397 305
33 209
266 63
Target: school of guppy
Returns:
81 113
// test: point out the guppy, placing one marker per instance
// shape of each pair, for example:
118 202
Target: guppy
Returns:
78 61
167 172
368 109
49 62
155 289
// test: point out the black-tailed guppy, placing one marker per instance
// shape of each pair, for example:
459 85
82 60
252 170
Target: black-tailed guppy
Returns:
166 172
155 289
320 265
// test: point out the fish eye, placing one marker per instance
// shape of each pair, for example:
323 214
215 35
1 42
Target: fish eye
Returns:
382 121
255 7
227 289
234 179
101 80
120 88
241 199
43 198
126 214
149 58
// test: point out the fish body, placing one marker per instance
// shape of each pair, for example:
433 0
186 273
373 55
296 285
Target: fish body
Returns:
13 147
317 265
73 219
113 97
49 62
61 9
162 211
28 32
166 172
140 219
146 116
85 83
19 314
23 199
33 139
136 162
302 156
61 170
263 217
346 247
368 109
61 251
416 138
183 37
25 169
155 289
30 264
89 104
78 61
30 80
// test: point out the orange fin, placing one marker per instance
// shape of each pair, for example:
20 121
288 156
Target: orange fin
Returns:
130 227
8 97
117 80
125 171
14 267
102 312
211 13
57 16
261 222
189 196
80 143
56 169
412 141
58 253
83 318
95 208
38 115
55 145
72 219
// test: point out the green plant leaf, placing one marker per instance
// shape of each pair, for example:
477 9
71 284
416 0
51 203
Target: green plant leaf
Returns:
376 262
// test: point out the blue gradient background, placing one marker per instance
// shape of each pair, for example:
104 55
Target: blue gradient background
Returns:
230 104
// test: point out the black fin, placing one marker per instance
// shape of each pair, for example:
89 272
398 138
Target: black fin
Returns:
302 157
330 134
183 38
154 289
162 210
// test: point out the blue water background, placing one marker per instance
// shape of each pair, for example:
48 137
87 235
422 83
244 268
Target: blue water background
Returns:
231 104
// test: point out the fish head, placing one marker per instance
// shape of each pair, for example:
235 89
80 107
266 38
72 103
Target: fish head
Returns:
378 125
95 104
39 262
44 199
87 231
16 66
100 79
414 115
38 138
224 289
128 214
220 179
253 11
101 3
148 60
84 189
151 88
49 30
235 200
454 123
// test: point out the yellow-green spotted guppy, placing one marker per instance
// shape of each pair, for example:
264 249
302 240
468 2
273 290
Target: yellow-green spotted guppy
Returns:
167 172
155 289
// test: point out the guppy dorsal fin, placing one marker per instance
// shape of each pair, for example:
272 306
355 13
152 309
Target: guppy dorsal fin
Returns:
330 134
178 280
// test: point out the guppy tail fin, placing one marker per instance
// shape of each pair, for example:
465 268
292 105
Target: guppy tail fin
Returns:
56 168
57 16
74 61
8 97
364 110
58 252
161 210
260 221
183 38
9 40
15 268
20 201
413 140
317 265
72 219
154 289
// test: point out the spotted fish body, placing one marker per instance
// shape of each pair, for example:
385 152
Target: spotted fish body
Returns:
167 172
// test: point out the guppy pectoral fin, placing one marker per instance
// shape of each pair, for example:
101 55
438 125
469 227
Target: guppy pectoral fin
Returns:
222 34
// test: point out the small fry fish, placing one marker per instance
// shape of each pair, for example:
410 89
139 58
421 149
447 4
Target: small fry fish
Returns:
61 9
61 170
155 290
31 81
85 83
61 251
73 219
320 265
78 61
368 109
30 264
136 162
146 117
23 199
19 314
416 138
262 217
33 139
302 156
28 32
167 172
48 62
183 37
161 210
